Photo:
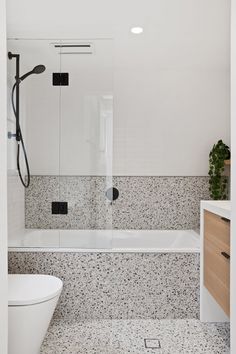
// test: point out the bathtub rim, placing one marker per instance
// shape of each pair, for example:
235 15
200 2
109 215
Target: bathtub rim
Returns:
100 250
74 249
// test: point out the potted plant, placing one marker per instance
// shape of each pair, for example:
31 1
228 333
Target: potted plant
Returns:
218 182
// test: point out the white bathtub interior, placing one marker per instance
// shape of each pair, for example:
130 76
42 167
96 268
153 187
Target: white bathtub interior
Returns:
110 240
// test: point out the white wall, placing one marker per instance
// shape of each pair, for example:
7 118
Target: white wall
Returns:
15 209
62 120
3 185
233 179
171 84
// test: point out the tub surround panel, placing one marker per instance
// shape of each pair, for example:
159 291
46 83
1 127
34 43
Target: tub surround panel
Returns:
119 286
143 203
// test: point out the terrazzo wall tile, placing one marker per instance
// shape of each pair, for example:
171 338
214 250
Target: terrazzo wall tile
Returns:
143 203
87 206
38 198
119 286
159 202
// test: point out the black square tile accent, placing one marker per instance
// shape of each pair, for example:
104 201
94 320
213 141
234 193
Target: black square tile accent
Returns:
152 343
60 79
59 208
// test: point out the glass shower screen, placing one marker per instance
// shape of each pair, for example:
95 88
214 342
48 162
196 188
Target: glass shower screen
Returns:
86 131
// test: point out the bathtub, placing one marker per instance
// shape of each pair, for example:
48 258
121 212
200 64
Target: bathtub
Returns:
107 241
115 274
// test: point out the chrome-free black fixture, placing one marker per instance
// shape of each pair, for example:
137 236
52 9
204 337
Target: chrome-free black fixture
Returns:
112 194
16 109
39 69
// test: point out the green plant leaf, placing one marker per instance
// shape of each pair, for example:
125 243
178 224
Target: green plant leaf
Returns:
217 182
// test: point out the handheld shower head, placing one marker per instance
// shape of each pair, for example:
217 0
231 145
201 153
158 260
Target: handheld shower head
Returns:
36 70
39 69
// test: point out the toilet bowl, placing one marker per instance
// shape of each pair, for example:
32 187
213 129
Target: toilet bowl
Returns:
32 300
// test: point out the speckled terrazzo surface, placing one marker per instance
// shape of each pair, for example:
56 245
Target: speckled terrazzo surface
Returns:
159 202
124 336
144 202
119 285
87 206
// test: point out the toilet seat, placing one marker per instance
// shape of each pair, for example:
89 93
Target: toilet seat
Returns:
30 289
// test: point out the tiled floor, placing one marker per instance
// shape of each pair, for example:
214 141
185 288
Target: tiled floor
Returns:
124 337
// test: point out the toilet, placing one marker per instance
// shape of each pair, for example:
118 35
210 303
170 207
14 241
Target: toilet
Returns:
32 299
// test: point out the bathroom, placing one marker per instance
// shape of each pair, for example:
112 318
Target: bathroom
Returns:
115 237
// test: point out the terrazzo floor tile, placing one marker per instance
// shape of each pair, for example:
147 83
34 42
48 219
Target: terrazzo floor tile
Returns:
127 337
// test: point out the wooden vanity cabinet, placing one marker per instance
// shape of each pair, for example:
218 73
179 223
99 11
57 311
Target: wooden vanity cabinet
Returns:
217 258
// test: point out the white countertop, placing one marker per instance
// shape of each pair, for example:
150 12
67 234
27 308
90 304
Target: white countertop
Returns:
219 207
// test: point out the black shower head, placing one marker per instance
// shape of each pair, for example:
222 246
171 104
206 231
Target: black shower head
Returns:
36 70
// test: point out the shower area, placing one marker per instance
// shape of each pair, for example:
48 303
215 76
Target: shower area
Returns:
66 114
70 196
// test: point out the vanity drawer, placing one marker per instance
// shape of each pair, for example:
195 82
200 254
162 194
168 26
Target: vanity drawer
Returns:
220 293
216 259
217 263
217 230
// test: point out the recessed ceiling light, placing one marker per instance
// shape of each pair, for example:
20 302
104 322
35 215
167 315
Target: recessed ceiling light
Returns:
137 30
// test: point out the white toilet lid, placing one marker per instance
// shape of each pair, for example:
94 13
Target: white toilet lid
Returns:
28 289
